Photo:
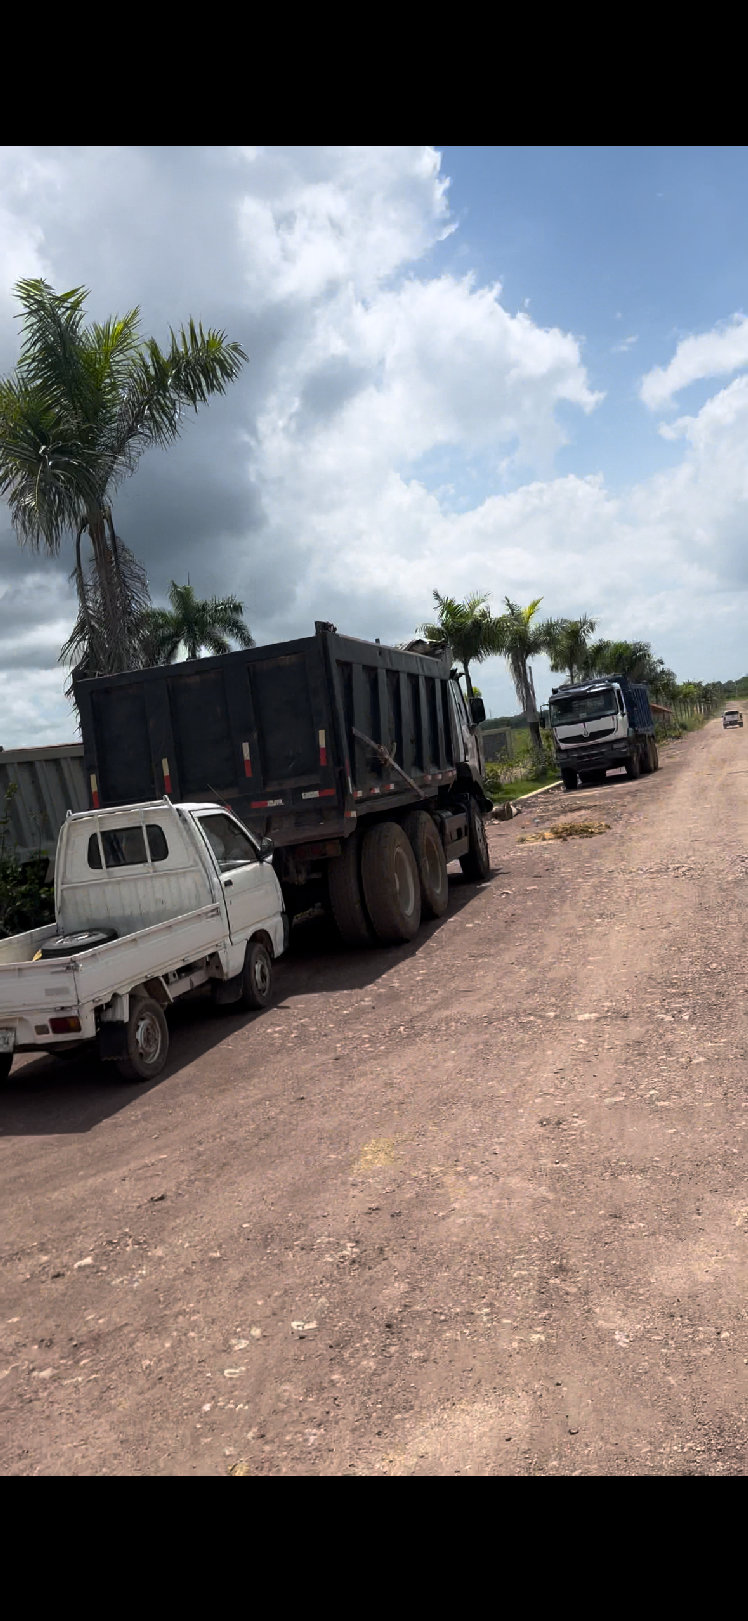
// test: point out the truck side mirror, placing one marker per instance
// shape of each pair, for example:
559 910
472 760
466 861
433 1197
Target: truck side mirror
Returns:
266 849
477 710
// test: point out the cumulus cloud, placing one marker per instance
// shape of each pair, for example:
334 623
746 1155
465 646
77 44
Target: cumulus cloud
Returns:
396 429
707 354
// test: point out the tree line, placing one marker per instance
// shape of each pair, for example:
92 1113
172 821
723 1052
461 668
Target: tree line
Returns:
475 633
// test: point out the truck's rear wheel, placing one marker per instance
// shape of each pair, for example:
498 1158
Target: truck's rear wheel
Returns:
430 861
633 766
389 877
346 897
476 865
147 1041
646 758
569 780
257 976
655 756
6 1063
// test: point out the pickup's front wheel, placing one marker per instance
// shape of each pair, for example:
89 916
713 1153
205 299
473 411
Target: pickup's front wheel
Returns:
147 1041
257 977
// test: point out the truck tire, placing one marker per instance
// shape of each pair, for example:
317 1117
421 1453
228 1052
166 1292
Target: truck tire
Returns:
633 766
389 878
346 897
655 756
6 1064
646 759
476 865
257 976
69 945
569 780
430 860
147 1041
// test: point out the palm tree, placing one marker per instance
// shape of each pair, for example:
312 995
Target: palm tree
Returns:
522 640
468 628
83 404
567 642
194 624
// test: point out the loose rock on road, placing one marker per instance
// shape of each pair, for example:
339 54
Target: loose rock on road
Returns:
476 1206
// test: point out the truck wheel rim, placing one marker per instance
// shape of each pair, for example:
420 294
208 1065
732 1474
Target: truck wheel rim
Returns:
148 1038
262 976
406 889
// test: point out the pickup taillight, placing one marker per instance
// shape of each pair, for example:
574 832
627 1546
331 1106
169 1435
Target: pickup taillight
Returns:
63 1027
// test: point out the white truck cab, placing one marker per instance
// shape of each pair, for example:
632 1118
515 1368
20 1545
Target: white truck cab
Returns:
152 901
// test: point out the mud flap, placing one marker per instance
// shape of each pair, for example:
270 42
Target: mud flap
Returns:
112 1040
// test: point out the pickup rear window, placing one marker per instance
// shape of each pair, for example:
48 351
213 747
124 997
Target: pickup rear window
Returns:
127 847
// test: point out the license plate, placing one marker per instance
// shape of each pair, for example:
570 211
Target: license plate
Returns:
7 1041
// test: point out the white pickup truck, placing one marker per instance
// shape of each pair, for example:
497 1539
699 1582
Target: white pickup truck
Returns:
151 901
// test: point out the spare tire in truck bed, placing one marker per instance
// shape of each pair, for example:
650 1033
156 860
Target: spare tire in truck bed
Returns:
69 945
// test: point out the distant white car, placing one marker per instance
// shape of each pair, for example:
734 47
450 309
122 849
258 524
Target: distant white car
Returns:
732 717
151 901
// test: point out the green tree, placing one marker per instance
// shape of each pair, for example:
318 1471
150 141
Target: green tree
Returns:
521 640
83 404
468 628
194 624
567 644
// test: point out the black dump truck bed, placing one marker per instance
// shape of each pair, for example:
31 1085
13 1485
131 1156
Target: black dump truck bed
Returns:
300 738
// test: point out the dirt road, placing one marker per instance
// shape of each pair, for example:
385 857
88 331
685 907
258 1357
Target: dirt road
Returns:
474 1207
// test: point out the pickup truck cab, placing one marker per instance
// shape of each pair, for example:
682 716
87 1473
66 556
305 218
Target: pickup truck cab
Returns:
732 717
152 901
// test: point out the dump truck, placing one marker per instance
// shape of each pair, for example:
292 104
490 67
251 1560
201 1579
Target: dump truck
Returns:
362 762
600 726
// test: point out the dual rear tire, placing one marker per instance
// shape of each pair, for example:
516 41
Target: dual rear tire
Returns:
384 883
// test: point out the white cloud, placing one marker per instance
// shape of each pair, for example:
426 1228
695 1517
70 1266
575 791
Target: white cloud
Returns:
708 354
625 344
395 430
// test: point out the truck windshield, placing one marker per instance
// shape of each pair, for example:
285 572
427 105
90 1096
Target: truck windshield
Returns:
583 706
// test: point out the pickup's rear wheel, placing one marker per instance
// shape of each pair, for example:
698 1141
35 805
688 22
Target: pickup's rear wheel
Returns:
6 1062
476 865
147 1041
69 945
389 878
346 897
430 860
257 976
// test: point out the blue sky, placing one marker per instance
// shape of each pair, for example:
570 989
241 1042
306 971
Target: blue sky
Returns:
523 369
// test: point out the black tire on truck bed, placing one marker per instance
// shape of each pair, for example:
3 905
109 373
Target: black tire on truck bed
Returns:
390 882
430 861
69 945
346 895
476 865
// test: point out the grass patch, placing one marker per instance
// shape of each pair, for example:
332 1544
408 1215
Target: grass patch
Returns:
500 792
